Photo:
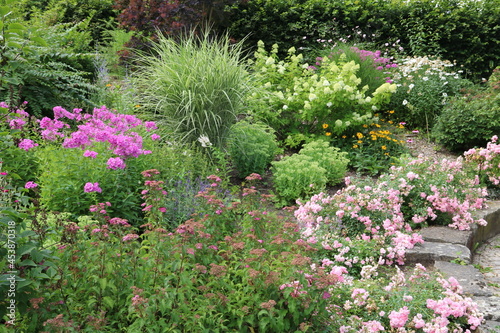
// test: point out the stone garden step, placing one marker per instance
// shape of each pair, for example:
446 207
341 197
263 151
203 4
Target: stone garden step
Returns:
452 253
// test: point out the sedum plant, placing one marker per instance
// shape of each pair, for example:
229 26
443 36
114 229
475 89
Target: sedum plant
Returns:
308 172
330 158
193 86
251 146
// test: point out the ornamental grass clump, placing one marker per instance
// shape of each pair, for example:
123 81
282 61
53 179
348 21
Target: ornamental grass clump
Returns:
194 86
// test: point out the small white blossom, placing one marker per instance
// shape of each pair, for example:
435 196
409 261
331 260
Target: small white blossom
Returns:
204 141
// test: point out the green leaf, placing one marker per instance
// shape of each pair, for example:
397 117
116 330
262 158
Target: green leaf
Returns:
16 26
4 11
39 40
27 262
108 301
25 249
103 283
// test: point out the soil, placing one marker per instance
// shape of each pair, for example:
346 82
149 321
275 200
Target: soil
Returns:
420 145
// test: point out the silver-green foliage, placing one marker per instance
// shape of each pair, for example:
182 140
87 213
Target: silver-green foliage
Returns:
194 86
252 146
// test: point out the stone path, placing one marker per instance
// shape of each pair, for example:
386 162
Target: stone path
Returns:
487 260
472 257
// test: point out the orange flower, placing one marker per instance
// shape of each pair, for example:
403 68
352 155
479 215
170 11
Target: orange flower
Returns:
328 133
325 126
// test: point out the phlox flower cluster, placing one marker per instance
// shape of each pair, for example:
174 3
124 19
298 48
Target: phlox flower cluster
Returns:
379 61
118 131
16 119
27 144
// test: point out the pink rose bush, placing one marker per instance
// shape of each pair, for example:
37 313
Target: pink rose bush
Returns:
486 161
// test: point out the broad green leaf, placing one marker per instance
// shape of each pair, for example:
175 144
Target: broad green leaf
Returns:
103 283
4 11
16 26
39 40
108 301
25 249
27 262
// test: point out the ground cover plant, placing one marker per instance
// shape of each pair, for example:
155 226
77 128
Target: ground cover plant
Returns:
113 222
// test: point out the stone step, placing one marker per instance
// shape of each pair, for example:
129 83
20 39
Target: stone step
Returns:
430 252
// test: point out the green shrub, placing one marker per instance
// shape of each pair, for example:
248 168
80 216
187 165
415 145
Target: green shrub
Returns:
468 122
330 158
425 86
436 27
298 176
251 146
371 148
98 12
44 65
300 98
193 87
301 175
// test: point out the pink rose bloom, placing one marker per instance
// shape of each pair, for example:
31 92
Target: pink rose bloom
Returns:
399 318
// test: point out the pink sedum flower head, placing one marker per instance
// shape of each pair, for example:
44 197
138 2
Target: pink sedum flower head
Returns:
92 187
130 237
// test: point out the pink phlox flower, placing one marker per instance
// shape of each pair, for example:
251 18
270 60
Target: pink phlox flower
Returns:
17 123
90 153
92 187
30 184
155 137
150 125
59 112
115 163
27 144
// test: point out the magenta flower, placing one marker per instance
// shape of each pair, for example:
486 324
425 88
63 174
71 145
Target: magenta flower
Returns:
155 137
92 187
27 144
116 163
30 185
17 123
90 153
